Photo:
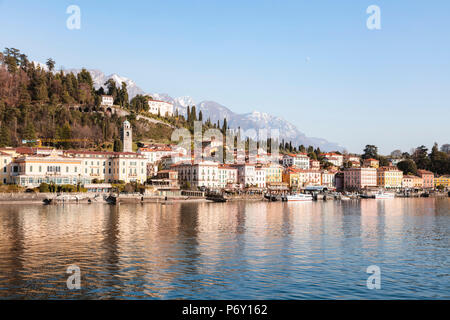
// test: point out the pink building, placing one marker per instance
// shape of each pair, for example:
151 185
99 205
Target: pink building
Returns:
428 178
360 178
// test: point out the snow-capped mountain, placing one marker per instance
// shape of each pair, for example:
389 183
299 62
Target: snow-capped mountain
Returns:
254 120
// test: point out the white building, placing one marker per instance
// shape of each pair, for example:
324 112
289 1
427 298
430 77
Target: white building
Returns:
228 176
107 101
156 152
246 174
203 174
300 161
334 158
162 108
260 177
5 164
328 179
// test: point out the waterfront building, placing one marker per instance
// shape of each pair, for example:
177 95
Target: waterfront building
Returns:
412 182
371 163
389 177
260 177
274 173
328 179
339 181
32 170
246 174
202 174
228 176
299 178
360 178
442 181
162 108
291 177
300 160
5 164
107 101
165 181
111 166
427 177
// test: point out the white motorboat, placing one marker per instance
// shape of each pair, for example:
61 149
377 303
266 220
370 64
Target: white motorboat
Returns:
298 197
384 195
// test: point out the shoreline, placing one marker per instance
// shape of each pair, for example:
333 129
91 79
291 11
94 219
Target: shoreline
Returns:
38 198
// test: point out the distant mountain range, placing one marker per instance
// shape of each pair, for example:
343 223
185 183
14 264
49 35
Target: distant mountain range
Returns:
210 109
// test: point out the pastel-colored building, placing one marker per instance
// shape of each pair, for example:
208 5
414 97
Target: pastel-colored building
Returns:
372 163
274 173
389 177
5 164
427 177
412 182
314 164
443 181
32 170
360 178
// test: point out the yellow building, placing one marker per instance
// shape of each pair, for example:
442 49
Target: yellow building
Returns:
372 163
292 178
442 181
412 182
389 177
274 173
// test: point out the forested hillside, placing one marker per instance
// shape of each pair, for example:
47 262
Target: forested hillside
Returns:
38 102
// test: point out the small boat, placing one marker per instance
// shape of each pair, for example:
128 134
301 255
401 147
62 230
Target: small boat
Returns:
298 197
111 199
384 195
272 197
342 197
216 198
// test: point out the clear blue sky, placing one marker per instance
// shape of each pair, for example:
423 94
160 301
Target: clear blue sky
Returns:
312 62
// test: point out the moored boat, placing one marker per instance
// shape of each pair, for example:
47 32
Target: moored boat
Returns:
384 195
298 197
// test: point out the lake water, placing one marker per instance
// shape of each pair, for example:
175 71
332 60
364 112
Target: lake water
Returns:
237 250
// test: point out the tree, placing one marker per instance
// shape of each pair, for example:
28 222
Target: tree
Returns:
50 64
5 139
396 154
384 162
370 151
439 160
407 166
117 145
420 157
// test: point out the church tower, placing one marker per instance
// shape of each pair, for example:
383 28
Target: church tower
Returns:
126 137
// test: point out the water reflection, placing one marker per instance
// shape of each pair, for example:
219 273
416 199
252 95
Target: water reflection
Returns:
232 250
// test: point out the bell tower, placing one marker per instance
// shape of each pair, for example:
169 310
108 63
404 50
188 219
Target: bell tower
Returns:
126 137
